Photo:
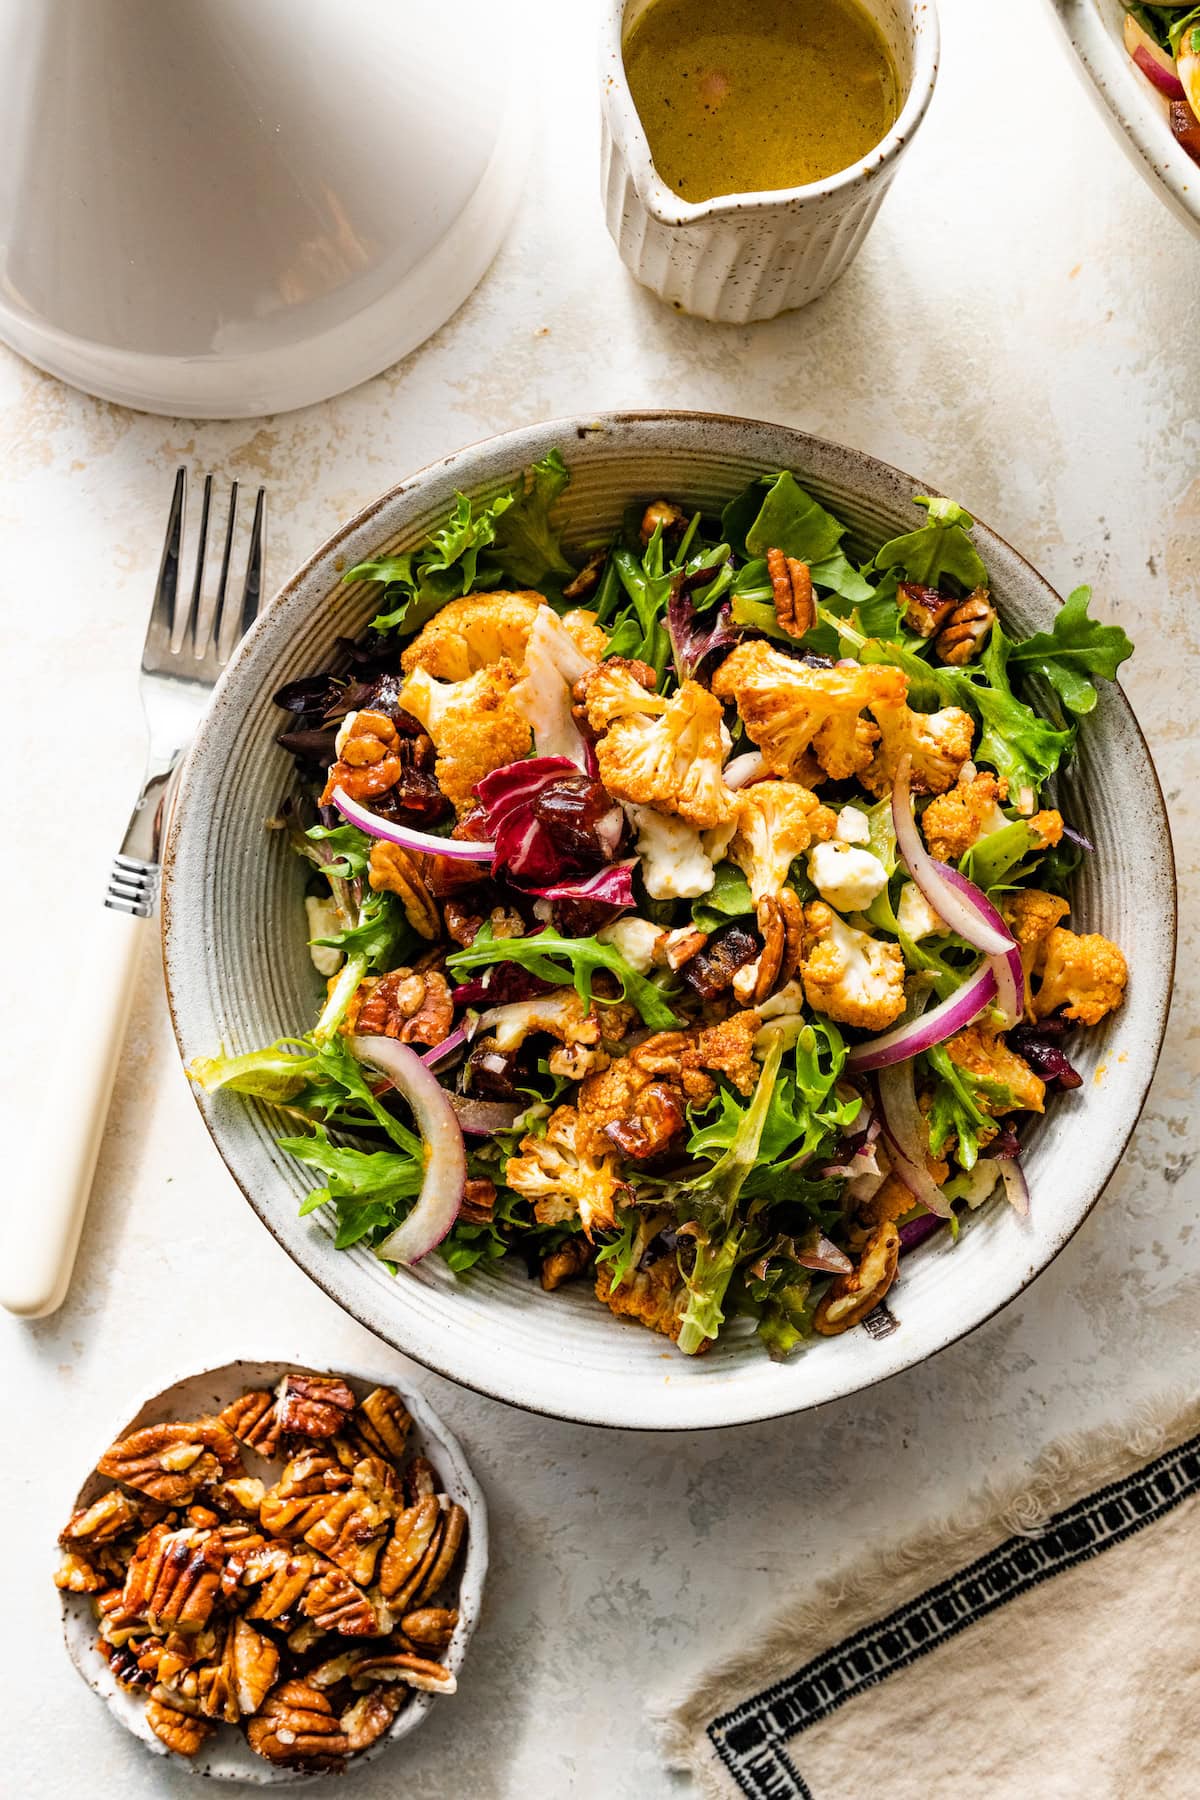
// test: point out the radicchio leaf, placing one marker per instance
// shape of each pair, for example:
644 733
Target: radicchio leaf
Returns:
695 637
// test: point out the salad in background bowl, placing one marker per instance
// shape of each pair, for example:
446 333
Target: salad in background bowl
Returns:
689 848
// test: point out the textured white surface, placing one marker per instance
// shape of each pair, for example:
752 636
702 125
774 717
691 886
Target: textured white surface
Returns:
1022 327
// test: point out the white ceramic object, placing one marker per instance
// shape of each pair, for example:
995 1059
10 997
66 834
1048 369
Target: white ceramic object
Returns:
239 976
1135 111
235 207
741 257
226 1756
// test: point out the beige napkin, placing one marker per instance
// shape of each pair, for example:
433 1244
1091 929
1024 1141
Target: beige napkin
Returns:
1047 1646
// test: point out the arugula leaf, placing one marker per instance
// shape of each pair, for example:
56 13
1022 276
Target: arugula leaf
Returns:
802 1112
584 955
957 1116
999 859
1077 646
381 934
369 1189
1015 742
728 898
775 513
276 1073
344 851
524 542
640 629
620 1253
938 552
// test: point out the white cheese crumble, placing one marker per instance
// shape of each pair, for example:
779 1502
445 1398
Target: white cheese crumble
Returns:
849 879
914 915
674 864
636 939
853 826
344 730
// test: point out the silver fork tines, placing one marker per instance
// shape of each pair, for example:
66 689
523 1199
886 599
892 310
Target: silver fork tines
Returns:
185 650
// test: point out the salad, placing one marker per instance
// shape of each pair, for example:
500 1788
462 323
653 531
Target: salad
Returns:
1164 42
692 922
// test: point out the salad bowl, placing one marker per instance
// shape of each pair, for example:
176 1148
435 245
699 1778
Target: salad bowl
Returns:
239 975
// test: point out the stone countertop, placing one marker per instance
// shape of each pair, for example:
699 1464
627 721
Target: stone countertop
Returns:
1023 330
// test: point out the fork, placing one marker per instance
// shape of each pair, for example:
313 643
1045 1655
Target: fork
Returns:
187 645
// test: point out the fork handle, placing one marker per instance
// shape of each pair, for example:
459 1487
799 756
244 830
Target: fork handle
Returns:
44 1224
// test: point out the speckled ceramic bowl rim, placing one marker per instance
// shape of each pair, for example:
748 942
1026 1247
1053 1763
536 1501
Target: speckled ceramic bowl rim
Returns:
566 430
455 1468
665 205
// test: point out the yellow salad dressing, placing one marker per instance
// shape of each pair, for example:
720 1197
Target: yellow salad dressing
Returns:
739 96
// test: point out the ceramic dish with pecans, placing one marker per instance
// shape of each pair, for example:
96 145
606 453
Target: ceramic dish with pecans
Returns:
271 1571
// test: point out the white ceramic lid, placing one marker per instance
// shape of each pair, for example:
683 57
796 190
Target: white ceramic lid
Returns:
233 207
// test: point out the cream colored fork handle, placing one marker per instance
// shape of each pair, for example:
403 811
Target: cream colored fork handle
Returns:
44 1220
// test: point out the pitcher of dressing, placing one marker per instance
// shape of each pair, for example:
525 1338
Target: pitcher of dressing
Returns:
711 81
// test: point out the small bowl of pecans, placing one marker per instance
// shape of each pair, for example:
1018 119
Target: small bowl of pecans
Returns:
271 1572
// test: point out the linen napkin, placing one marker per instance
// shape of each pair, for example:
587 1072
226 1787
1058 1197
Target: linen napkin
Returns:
1046 1644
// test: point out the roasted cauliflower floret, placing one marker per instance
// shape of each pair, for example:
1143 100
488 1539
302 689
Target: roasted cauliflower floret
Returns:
1032 914
654 1295
848 975
968 812
666 754
938 743
984 1054
590 639
474 725
562 1015
562 1181
471 633
794 712
776 822
554 662
1086 976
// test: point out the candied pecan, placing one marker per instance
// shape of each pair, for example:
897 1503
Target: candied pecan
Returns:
478 1201
383 1420
241 1497
682 944
281 1573
303 1494
251 1663
413 1671
664 514
392 870
657 1120
350 1532
179 1731
966 630
925 609
182 1581
365 1721
104 1520
430 1626
295 1725
851 1297
792 912
411 1536
754 981
413 1006
171 1461
76 1574
564 1264
791 585
454 1528
420 1479
711 971
336 1603
252 1419
588 577
368 761
315 1406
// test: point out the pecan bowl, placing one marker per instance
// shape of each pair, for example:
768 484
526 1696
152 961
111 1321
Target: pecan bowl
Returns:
288 1722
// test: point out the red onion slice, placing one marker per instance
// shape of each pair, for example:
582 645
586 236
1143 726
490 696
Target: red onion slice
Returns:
1006 966
915 1231
956 900
1015 1185
934 1027
906 1134
482 1117
437 1204
464 849
435 1057
1154 63
826 1257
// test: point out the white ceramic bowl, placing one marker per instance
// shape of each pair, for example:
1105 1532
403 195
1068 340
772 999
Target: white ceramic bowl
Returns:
1136 113
750 256
238 972
226 1756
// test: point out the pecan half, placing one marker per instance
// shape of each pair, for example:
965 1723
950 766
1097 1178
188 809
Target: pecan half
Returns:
177 1586
171 1461
238 1683
392 870
296 1725
75 1574
453 1532
179 1731
479 1200
925 609
281 1573
430 1626
413 1671
851 1297
366 1720
564 1264
369 760
658 1119
104 1520
791 585
420 1479
336 1603
252 1420
350 1532
314 1406
413 1006
411 1536
384 1422
664 514
966 630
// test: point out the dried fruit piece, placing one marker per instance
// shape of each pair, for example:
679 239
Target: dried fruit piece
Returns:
296 1726
180 1731
316 1406
252 1419
171 1462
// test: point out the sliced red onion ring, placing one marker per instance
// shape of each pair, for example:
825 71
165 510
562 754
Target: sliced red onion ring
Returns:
826 1257
1155 63
956 900
915 1231
464 849
438 1055
1007 966
934 1027
906 1134
1077 837
482 1117
437 1204
1015 1185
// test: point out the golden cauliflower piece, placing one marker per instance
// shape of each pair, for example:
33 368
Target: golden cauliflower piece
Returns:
474 725
562 1015
939 744
590 639
1031 915
968 812
655 1296
471 633
794 712
562 1180
1084 975
985 1054
848 975
666 754
776 821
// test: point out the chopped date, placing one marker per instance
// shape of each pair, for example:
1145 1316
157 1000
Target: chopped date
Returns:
711 971
491 1072
578 816
659 1118
414 796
